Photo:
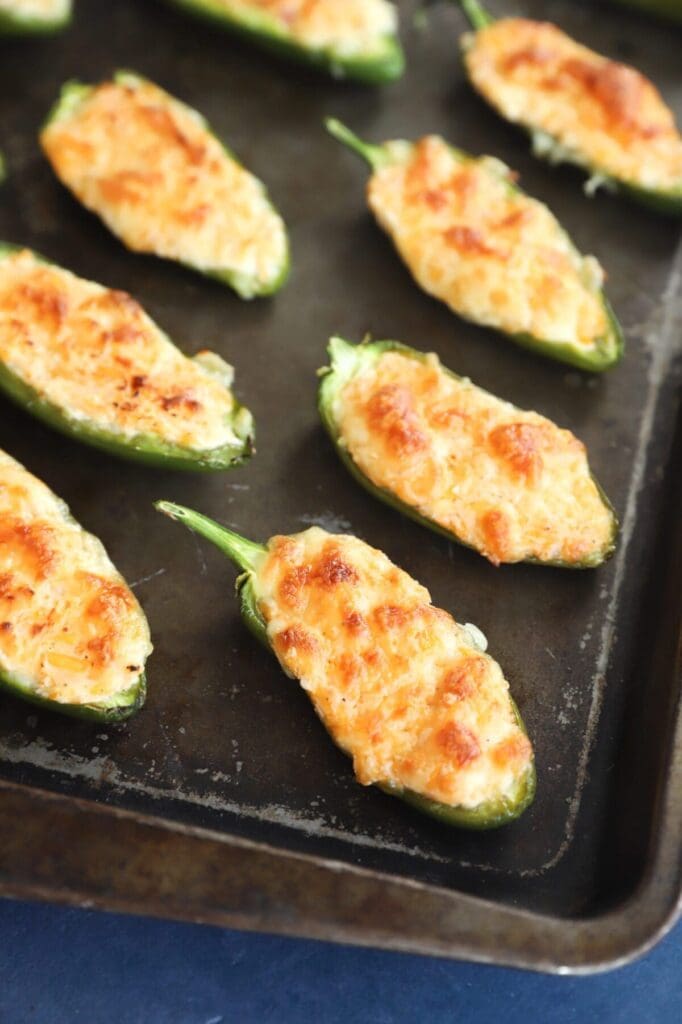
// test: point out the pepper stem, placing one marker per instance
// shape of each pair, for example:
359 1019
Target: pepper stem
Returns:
375 156
476 13
244 553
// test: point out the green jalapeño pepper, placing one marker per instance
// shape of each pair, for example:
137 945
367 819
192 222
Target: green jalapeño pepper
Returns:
496 256
354 39
455 458
403 689
151 168
88 361
577 106
73 638
18 18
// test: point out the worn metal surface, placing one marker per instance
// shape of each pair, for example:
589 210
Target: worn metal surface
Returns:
226 743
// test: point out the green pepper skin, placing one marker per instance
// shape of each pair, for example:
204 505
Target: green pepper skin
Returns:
345 358
607 350
248 557
144 448
121 707
15 24
386 66
548 148
73 93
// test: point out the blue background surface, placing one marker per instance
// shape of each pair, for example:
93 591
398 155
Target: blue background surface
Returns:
60 966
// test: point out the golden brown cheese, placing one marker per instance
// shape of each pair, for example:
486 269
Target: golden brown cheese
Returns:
70 628
492 254
398 683
149 167
97 354
509 483
535 74
351 28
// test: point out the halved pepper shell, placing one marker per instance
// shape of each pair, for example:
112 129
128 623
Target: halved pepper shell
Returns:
345 360
247 556
146 448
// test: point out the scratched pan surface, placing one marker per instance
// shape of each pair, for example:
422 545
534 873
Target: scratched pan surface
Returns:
225 740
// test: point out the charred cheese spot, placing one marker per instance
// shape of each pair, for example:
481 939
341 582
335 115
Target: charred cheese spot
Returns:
392 415
509 483
458 743
350 29
71 626
294 639
28 546
536 75
496 538
462 680
96 354
331 569
484 248
396 681
164 184
520 446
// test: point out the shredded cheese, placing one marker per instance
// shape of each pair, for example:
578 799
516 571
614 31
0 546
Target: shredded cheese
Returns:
70 629
508 483
398 683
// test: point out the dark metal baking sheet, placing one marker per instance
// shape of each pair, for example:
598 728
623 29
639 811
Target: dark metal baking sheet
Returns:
228 752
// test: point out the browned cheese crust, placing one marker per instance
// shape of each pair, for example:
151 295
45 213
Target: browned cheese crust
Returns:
493 254
147 164
509 483
535 74
398 683
95 353
70 628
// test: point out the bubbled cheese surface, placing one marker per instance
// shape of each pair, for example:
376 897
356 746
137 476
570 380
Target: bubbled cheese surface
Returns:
351 28
70 629
97 355
397 682
492 254
509 483
163 183
604 112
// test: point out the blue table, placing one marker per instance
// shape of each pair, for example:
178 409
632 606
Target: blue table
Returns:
61 966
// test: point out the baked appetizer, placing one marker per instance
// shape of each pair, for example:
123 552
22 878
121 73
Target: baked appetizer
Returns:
72 636
401 687
350 39
578 106
33 17
510 484
150 167
90 362
473 239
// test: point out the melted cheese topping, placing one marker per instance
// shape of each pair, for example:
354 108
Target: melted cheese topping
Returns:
491 253
397 682
48 10
70 629
509 483
97 355
352 28
163 183
604 114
